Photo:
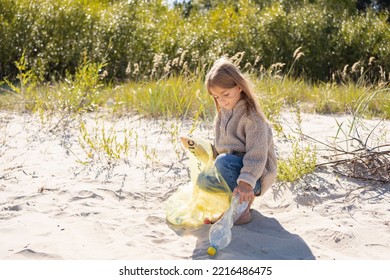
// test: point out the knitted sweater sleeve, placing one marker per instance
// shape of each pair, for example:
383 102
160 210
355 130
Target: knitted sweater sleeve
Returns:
256 146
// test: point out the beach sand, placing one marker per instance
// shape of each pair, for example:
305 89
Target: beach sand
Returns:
52 206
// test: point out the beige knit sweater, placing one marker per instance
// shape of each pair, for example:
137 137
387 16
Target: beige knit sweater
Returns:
243 132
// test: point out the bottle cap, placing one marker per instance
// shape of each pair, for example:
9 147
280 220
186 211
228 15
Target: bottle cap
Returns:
211 251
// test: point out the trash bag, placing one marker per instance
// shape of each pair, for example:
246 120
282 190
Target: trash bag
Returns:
206 196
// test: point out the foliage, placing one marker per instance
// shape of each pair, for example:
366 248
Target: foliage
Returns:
105 145
129 35
184 96
302 161
303 157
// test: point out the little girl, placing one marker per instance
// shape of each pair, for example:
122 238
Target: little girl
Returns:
243 145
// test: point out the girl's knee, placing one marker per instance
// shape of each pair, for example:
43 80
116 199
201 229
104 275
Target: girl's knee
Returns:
224 162
228 163
220 161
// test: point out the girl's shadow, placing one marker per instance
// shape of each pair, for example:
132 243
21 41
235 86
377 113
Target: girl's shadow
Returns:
262 239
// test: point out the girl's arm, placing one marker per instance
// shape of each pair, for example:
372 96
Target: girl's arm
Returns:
255 158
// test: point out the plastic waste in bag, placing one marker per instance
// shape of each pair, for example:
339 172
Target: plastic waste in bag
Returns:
220 234
206 196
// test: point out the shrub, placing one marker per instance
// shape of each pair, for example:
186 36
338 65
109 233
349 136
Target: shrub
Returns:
130 35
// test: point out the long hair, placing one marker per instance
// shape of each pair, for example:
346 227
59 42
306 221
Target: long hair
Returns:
225 74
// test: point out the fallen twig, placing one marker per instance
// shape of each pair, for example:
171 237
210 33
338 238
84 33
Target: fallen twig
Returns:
364 163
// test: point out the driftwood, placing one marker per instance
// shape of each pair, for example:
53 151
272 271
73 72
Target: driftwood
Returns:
365 163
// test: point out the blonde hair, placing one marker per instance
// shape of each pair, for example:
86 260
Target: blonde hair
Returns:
225 74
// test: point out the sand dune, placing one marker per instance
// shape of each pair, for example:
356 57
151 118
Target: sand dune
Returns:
53 207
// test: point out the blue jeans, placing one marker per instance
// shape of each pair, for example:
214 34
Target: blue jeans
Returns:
229 166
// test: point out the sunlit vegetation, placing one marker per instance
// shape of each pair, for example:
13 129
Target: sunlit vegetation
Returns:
130 35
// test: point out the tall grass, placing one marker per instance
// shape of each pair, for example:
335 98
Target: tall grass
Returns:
181 97
176 97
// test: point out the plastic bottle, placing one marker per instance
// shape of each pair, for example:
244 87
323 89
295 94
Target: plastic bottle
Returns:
220 233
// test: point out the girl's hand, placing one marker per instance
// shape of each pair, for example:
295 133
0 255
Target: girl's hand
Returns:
245 191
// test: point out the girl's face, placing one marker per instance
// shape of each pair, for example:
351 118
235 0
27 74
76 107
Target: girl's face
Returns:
227 98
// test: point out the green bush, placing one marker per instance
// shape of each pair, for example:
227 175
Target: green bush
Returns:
142 39
366 39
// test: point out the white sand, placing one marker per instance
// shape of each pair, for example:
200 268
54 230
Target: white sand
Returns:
52 207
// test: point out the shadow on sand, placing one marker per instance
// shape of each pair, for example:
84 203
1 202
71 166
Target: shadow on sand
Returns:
262 239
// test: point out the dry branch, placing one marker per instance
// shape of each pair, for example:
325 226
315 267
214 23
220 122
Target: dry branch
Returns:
372 164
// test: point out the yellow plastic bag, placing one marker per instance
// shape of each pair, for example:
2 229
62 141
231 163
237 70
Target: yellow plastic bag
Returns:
206 196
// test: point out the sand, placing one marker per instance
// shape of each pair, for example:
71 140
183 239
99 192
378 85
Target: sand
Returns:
53 206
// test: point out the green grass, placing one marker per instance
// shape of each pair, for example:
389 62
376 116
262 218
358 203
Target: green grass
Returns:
302 161
184 96
176 97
